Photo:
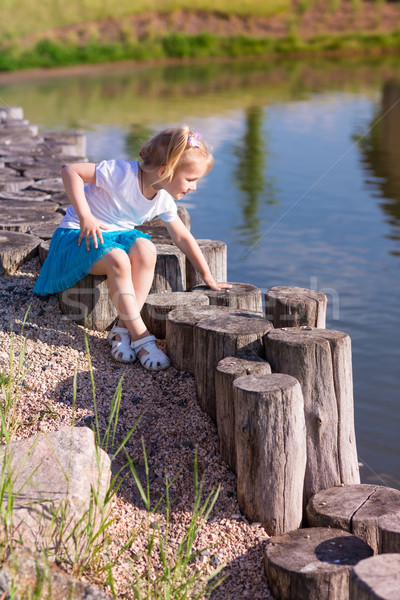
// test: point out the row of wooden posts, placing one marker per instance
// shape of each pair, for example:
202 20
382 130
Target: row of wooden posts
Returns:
276 382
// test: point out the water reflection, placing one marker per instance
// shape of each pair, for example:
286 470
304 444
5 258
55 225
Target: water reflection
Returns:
381 156
249 175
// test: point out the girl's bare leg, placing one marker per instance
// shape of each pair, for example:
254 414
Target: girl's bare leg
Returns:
117 266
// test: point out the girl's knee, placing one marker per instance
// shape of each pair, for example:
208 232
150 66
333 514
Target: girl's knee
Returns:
116 262
144 250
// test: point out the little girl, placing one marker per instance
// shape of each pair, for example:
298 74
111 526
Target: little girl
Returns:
120 195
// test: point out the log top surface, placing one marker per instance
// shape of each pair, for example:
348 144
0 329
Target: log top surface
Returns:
22 206
264 383
15 238
191 315
305 335
238 289
381 574
316 549
294 293
236 323
176 298
358 502
167 249
231 365
25 195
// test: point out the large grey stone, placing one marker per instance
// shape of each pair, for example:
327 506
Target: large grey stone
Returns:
52 479
25 572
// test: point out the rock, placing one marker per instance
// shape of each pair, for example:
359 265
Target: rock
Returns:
49 473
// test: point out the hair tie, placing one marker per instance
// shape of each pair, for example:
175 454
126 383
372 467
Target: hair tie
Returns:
194 139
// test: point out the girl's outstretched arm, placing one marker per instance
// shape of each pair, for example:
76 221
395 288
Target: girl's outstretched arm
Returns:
185 241
74 177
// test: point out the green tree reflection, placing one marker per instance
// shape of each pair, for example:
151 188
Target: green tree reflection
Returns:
380 151
249 177
137 135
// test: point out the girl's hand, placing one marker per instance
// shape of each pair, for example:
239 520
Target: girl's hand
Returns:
210 281
91 228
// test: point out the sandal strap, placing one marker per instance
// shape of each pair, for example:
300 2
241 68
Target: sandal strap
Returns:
142 342
116 330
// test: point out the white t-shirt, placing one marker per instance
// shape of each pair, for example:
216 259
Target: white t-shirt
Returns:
116 200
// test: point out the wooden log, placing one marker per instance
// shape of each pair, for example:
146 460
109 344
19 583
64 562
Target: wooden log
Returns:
220 336
8 113
376 578
60 198
159 234
158 222
215 253
179 333
270 440
357 509
44 232
88 303
170 270
23 219
40 172
43 250
13 183
228 370
320 359
15 249
157 306
389 533
240 295
295 306
313 564
50 185
25 196
76 139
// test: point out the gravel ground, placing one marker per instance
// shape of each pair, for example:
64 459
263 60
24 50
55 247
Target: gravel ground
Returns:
172 427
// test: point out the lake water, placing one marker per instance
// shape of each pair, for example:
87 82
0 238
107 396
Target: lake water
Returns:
305 190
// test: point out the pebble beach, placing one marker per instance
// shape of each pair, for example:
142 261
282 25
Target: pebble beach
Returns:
168 420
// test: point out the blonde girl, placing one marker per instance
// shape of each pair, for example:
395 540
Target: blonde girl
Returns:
97 235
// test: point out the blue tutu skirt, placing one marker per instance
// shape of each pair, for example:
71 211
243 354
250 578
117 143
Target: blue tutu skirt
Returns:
67 262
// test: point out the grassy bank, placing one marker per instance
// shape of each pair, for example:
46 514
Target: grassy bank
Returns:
57 34
50 53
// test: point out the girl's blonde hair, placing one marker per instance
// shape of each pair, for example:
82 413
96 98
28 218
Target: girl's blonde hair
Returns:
172 149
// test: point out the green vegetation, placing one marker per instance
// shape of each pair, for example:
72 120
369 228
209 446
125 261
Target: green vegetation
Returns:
48 53
86 548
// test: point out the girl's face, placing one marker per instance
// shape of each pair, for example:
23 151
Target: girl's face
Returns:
186 178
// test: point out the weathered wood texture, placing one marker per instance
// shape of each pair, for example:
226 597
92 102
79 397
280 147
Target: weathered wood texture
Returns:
45 232
389 533
49 185
76 139
229 369
88 302
376 578
357 509
170 270
43 250
16 248
157 306
179 333
320 359
215 253
158 222
295 306
8 113
24 219
9 183
313 564
240 295
25 196
270 439
220 336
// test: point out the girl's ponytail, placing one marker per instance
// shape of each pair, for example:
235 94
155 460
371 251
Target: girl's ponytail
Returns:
173 148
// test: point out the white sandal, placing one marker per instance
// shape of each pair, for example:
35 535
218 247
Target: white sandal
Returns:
121 350
155 359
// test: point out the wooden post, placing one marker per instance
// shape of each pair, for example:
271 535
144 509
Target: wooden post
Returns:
376 578
240 295
215 253
88 302
228 370
217 337
270 441
179 333
320 359
389 533
313 564
16 248
295 306
170 271
359 510
157 306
